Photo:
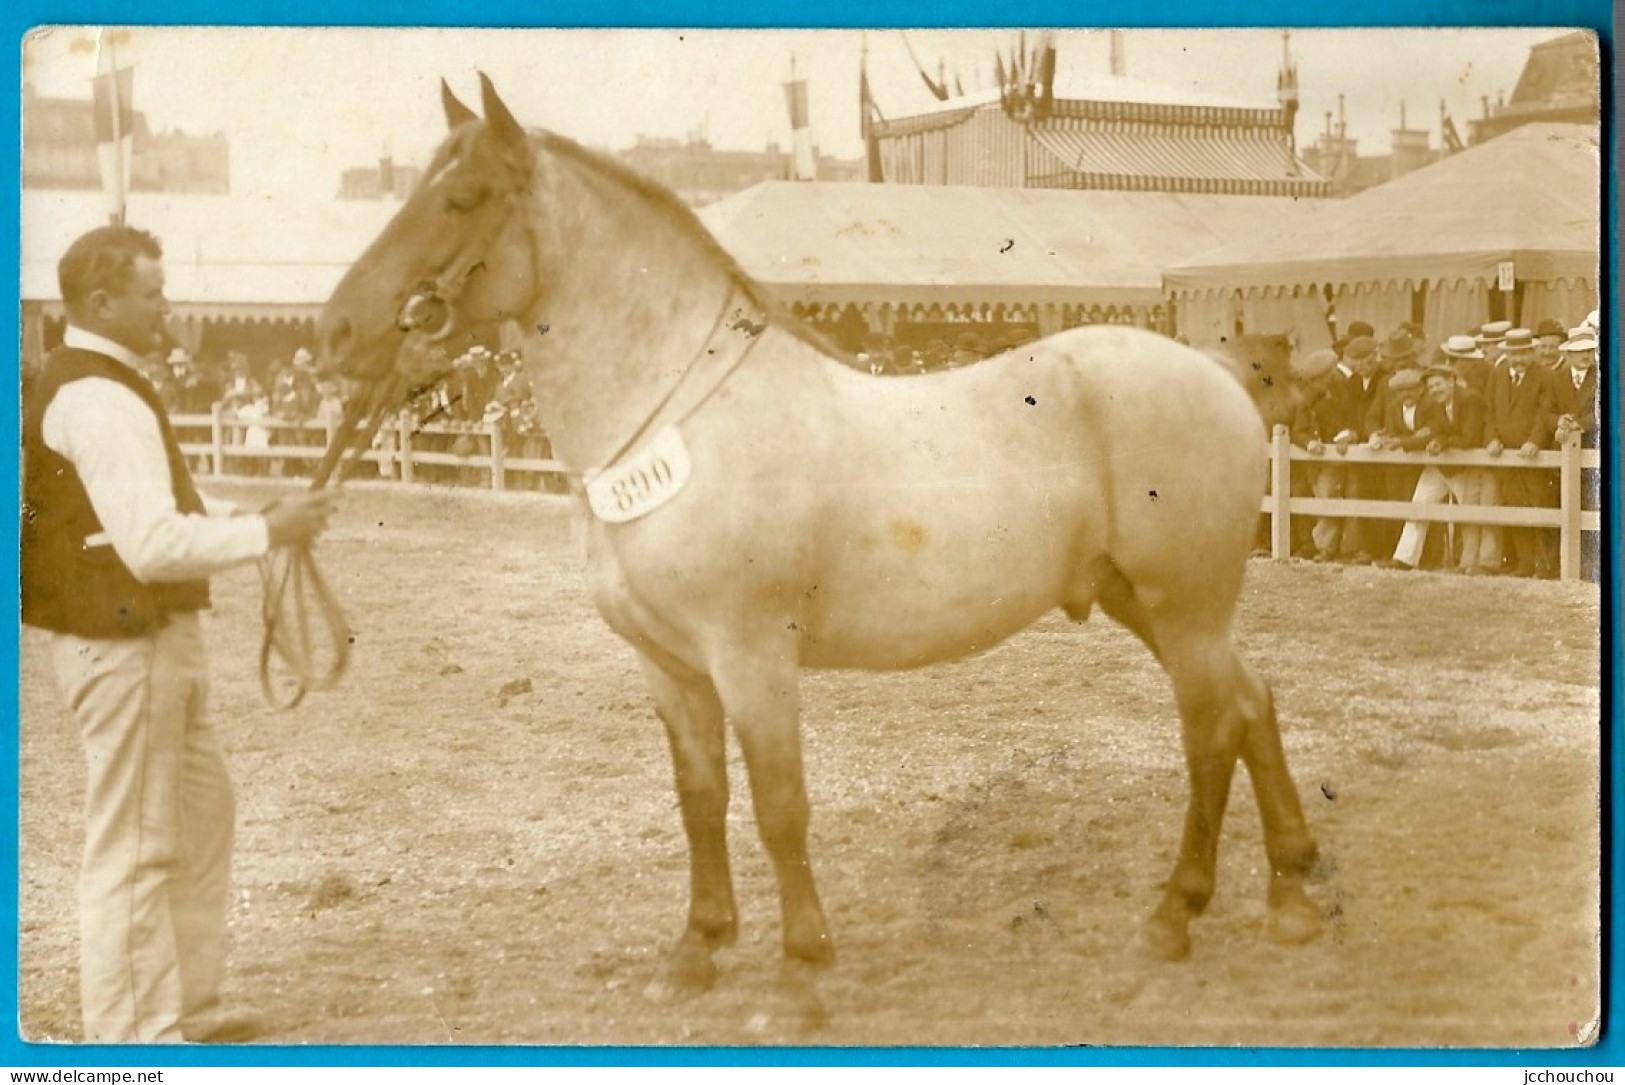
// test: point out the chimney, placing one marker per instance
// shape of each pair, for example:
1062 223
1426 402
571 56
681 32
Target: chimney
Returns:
1410 148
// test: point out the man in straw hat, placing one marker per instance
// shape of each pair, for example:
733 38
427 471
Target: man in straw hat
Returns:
1520 417
1576 397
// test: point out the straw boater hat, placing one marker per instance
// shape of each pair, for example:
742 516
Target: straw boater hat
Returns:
1494 331
1461 346
178 356
1518 340
1580 340
1314 364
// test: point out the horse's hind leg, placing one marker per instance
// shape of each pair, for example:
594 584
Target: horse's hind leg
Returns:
1291 850
1226 711
689 707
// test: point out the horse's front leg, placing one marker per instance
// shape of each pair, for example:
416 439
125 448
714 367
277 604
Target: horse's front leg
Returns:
688 706
761 696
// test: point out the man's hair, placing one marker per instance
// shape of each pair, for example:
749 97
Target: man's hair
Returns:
103 259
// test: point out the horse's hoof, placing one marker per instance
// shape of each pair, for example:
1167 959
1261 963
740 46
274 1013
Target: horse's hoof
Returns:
1166 937
688 972
799 1005
1294 921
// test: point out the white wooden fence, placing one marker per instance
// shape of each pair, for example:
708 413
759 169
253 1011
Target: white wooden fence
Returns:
218 441
1571 518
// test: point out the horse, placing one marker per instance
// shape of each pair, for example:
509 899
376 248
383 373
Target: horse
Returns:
754 506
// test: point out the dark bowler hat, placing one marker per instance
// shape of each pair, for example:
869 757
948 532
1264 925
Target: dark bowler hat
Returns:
1518 339
1551 327
1405 380
1358 328
1360 348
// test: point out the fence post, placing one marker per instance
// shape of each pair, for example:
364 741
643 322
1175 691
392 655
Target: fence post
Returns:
403 442
1572 503
498 455
217 438
1280 494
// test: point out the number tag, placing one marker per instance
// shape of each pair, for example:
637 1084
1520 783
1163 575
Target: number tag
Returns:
643 481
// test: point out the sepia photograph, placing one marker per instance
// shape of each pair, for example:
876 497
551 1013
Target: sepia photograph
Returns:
1001 538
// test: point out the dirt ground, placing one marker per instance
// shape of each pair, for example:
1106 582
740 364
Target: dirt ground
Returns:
432 854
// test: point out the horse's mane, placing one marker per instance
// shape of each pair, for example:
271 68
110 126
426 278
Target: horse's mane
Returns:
679 213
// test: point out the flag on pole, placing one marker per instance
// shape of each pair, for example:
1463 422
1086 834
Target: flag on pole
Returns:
805 162
115 123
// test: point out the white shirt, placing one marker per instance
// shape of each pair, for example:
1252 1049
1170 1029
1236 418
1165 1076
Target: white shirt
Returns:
113 441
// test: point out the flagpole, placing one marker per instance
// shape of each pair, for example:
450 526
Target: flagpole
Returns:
118 138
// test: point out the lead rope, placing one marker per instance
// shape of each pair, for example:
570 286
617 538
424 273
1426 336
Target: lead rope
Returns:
292 584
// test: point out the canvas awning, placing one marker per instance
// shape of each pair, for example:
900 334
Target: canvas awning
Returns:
1531 197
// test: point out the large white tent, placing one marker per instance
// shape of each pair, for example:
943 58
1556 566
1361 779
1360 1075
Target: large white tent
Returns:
1437 240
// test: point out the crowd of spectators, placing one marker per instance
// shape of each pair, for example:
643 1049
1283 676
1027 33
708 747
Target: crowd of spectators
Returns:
886 356
1498 389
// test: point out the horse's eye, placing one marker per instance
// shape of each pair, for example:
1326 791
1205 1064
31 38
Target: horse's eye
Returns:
465 197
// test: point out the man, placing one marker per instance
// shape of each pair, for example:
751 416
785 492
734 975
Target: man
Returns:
1340 418
1452 416
1403 428
1480 550
1520 417
1577 402
1549 336
117 548
1575 397
1397 354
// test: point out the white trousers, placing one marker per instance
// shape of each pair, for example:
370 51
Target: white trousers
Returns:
1480 544
154 888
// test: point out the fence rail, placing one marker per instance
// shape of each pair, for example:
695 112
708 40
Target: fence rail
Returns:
220 439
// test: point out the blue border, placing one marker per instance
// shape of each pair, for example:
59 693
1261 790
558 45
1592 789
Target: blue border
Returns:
1595 14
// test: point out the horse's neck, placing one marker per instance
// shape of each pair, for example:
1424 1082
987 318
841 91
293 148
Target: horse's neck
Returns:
633 306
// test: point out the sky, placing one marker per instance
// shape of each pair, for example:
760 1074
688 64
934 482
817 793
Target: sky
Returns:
302 104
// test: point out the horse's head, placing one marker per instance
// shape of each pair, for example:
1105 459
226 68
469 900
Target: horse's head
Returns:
454 262
1263 365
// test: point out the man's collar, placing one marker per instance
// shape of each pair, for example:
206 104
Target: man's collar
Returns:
79 339
1345 369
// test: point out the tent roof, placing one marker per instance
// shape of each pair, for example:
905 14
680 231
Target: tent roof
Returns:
834 242
1532 196
226 256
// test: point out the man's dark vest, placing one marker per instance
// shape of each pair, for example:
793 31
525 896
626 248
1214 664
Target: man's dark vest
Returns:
68 587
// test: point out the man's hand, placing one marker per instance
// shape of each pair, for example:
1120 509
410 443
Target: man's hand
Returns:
298 520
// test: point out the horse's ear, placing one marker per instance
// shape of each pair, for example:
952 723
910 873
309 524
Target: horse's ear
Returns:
497 116
456 112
